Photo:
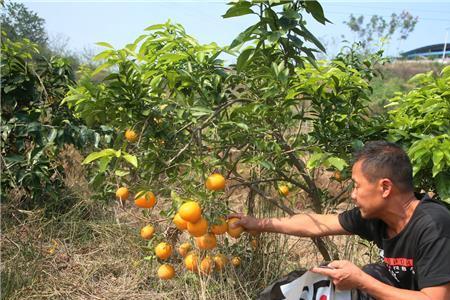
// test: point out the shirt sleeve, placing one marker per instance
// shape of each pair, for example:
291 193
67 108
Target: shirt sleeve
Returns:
433 263
352 222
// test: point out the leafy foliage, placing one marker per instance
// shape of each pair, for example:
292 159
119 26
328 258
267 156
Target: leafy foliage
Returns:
420 120
34 126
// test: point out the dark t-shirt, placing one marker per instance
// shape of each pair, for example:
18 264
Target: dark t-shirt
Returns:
419 256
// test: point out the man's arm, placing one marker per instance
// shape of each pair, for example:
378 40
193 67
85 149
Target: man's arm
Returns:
382 291
304 225
346 276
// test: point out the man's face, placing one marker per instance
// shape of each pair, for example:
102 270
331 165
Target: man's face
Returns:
366 195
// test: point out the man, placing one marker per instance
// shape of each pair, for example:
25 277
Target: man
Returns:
414 235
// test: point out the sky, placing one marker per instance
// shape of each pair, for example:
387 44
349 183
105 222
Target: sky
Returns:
80 24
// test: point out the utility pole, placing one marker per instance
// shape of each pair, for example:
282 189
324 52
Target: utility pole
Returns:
445 44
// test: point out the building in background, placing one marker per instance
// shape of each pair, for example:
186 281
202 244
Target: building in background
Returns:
429 52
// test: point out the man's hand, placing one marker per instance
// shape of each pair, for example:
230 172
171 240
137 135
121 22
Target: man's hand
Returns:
248 222
345 275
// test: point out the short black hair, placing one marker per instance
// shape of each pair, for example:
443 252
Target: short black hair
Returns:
381 159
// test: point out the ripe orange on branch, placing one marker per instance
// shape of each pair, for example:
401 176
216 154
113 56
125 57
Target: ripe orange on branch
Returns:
191 262
199 228
147 232
284 190
220 261
190 211
206 242
234 231
166 272
206 265
145 200
179 222
131 135
122 193
184 249
215 182
220 228
163 250
236 261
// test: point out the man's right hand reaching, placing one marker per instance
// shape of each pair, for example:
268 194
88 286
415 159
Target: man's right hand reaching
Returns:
248 222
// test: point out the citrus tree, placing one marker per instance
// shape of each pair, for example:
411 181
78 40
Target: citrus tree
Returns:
272 122
420 120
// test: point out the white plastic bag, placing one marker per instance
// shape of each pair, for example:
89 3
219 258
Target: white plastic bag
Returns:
312 286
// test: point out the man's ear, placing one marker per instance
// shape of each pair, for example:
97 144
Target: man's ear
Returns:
386 186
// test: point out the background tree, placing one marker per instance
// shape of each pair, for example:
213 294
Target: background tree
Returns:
19 22
377 28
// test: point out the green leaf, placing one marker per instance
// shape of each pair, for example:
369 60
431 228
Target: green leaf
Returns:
121 173
101 68
103 55
176 199
337 162
155 27
316 10
105 44
243 58
96 155
438 155
131 159
103 163
51 137
267 165
315 160
239 9
244 36
173 57
443 186
199 111
155 81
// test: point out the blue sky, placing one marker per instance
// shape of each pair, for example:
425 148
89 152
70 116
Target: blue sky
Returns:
83 23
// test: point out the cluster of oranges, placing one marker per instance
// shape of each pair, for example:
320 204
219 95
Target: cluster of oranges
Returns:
143 199
189 218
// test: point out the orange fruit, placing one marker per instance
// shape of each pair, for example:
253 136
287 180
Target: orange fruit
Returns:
215 182
234 232
220 228
163 250
145 200
206 242
122 193
220 261
206 265
337 174
147 232
131 135
284 190
184 249
191 262
254 244
179 222
198 229
166 272
236 261
190 211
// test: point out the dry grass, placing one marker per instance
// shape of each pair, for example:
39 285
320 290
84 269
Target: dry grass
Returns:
102 257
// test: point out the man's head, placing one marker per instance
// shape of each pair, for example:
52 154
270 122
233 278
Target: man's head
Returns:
381 169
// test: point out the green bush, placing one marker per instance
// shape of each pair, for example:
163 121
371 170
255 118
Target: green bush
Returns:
420 120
